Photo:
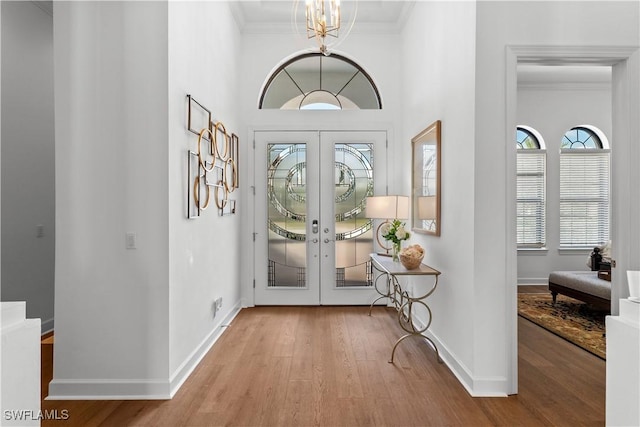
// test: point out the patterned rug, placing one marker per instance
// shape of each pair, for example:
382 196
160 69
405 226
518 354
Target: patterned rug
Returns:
570 319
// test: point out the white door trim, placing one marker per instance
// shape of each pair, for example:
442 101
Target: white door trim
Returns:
625 233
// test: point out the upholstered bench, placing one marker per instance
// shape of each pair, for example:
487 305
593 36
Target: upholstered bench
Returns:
582 285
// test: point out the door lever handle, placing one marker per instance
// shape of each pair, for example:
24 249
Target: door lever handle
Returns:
328 240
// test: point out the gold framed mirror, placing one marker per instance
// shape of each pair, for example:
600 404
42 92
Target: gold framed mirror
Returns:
425 180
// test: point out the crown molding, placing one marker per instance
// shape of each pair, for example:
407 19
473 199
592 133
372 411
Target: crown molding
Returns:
567 86
571 55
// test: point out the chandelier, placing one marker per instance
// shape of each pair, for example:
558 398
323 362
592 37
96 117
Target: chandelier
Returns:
324 20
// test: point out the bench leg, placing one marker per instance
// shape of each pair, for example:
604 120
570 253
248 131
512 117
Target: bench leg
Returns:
554 294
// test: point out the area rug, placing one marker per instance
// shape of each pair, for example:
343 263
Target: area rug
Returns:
570 319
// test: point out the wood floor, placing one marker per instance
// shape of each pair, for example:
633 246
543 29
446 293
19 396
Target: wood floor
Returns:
327 366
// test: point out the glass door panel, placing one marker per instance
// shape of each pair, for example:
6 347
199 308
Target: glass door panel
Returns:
287 214
286 264
353 184
358 163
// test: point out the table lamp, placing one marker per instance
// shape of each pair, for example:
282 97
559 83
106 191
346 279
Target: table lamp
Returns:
386 208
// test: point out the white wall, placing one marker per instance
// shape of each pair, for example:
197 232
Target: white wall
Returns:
133 323
28 167
112 152
438 84
552 111
500 24
454 61
204 252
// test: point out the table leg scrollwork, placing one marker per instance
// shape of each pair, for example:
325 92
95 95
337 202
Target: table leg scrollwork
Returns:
402 300
405 306
386 292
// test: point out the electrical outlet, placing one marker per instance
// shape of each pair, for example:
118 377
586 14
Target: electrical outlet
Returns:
216 306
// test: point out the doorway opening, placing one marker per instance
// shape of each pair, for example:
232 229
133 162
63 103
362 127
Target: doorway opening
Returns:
624 66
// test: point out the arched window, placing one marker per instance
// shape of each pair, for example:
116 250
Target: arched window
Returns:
582 137
526 139
313 81
531 184
584 188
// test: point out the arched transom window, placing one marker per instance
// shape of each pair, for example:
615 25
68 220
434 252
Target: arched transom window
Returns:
526 139
581 137
313 81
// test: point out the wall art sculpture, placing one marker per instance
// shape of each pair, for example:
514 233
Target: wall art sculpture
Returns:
212 168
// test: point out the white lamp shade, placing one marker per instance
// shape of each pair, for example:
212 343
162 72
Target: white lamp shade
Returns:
427 207
387 207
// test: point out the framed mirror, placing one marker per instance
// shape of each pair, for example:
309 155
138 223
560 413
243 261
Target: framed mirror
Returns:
425 181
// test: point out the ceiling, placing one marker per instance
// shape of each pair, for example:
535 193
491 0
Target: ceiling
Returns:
389 16
276 15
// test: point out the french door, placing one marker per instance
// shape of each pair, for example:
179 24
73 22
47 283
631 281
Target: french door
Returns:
312 240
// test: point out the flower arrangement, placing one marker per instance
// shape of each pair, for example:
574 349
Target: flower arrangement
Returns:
394 231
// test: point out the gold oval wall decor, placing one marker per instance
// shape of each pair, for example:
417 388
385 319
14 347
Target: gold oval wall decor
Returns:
196 191
221 203
201 160
234 175
216 131
214 164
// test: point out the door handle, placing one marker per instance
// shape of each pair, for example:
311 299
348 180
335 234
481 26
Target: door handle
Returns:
314 226
328 240
315 241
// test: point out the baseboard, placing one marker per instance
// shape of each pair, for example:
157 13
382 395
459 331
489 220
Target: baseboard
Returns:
186 368
533 280
475 386
139 389
108 390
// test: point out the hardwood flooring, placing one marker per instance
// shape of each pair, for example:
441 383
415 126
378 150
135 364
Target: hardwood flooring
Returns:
327 366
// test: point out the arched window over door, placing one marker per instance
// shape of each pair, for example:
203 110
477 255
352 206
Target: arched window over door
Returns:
313 81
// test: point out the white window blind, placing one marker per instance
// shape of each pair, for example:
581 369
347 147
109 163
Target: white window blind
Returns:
531 217
584 197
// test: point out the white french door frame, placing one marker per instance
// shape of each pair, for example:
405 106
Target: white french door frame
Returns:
321 249
329 294
309 294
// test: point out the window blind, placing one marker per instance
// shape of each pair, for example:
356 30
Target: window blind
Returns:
584 197
531 212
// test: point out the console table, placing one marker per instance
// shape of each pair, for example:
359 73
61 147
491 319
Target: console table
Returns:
400 298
